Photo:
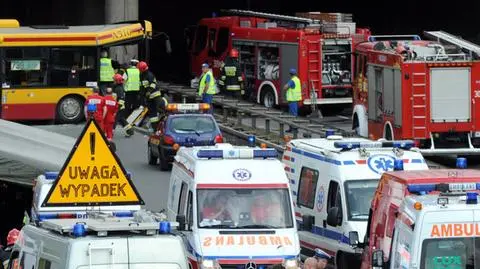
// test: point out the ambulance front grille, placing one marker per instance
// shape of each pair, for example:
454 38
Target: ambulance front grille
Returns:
243 266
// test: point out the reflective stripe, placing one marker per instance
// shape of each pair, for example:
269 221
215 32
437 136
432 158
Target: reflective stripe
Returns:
121 102
223 77
220 82
240 78
233 87
153 85
154 119
154 94
133 80
106 70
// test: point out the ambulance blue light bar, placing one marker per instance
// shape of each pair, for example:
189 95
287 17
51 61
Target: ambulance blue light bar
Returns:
347 145
237 153
47 216
443 187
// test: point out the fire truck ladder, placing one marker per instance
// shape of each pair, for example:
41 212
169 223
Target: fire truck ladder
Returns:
464 44
239 12
419 104
314 73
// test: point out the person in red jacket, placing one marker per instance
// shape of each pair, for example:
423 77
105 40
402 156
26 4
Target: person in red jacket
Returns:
97 100
111 105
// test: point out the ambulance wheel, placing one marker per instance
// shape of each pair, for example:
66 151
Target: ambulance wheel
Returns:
152 159
70 109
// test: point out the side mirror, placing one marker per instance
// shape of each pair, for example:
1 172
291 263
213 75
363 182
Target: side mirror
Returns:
308 222
377 259
334 218
181 222
168 46
353 236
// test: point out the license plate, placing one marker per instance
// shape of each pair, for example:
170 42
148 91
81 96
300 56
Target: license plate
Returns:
188 107
462 186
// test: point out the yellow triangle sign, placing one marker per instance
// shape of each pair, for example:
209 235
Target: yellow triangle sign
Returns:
92 175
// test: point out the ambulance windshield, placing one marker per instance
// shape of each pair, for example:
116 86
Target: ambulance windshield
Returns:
244 208
359 194
451 253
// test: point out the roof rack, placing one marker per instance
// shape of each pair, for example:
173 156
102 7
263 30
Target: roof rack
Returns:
102 223
374 38
462 43
269 16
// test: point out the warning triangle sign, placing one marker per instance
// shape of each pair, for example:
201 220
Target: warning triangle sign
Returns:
92 175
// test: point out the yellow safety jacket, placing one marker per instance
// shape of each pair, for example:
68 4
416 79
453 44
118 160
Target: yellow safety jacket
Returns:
106 70
211 86
295 94
133 80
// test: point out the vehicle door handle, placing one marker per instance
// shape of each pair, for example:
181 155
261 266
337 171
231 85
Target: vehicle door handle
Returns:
324 224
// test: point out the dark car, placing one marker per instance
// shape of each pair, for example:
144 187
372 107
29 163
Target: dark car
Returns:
176 130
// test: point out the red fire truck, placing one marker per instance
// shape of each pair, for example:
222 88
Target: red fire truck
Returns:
269 45
408 88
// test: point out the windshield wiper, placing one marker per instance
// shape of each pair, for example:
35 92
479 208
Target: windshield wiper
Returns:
256 226
190 130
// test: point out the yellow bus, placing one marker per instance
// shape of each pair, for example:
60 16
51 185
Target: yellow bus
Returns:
36 64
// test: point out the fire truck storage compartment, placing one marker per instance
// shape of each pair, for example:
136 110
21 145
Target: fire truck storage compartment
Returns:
450 94
384 93
337 61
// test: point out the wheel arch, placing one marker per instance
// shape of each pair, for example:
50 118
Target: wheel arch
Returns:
262 87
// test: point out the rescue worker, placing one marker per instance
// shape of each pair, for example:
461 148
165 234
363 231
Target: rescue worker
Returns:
207 86
231 80
149 90
217 209
322 258
107 70
119 93
293 89
111 106
132 87
6 251
96 99
310 263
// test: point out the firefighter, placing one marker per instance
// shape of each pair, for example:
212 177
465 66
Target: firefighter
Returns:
5 252
119 93
207 86
96 99
111 106
293 89
132 87
107 70
231 80
151 93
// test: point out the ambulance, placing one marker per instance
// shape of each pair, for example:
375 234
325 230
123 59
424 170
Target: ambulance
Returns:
42 185
234 207
333 180
100 241
425 219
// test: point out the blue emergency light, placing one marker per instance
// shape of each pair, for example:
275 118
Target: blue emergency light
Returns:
51 175
251 141
123 214
217 153
91 108
79 230
347 145
165 227
443 187
265 153
472 198
461 163
329 132
419 188
398 165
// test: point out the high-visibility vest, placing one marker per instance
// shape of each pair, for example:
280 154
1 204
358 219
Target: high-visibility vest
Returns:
211 85
133 80
295 94
106 70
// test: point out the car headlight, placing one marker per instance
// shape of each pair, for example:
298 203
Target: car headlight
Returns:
209 264
290 264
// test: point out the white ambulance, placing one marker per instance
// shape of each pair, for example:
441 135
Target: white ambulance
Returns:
42 185
100 241
435 224
333 180
234 206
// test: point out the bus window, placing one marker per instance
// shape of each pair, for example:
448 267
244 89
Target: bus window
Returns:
26 67
200 39
64 59
222 40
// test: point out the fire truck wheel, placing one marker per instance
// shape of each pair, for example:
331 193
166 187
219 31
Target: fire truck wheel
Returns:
267 97
388 135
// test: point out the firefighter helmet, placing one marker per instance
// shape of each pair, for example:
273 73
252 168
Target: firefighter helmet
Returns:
142 66
12 236
234 53
118 79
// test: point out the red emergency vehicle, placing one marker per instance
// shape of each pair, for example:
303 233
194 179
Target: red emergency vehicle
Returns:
409 88
392 210
269 45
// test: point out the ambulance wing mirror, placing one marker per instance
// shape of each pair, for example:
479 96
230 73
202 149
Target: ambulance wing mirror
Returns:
181 222
334 217
353 237
377 259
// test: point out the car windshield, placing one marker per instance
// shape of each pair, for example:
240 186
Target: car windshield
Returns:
244 208
439 253
192 124
359 194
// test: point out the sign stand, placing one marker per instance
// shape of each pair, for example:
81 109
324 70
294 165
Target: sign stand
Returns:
92 175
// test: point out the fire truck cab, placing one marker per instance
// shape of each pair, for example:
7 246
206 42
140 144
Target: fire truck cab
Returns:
409 88
424 219
318 45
